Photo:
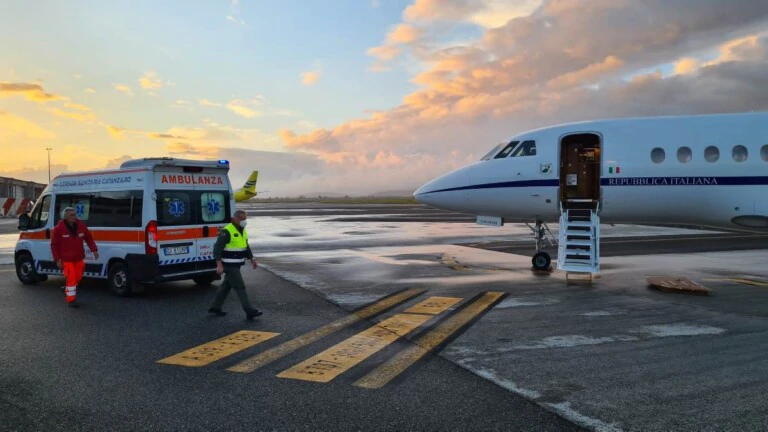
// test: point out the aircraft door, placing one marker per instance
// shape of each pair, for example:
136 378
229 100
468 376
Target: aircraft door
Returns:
580 167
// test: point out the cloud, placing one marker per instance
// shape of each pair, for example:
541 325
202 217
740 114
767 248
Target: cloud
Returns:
124 89
552 66
33 92
248 108
13 127
37 174
150 80
116 132
309 78
90 90
165 136
244 108
85 117
116 162
234 13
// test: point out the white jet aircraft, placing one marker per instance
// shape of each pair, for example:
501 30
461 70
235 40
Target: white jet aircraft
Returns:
706 170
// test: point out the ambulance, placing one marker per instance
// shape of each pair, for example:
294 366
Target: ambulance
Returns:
154 220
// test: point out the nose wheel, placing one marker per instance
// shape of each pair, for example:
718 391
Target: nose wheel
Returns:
541 260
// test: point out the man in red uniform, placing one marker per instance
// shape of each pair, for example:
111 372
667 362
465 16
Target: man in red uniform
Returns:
68 251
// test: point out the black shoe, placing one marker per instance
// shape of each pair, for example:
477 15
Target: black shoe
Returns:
253 314
74 304
218 312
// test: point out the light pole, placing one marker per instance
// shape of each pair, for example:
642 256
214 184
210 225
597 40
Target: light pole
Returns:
48 149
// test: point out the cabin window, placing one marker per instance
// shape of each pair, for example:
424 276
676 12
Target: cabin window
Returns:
711 154
505 152
684 154
527 148
740 153
658 155
764 152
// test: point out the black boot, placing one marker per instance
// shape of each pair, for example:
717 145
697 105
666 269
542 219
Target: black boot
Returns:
218 312
253 313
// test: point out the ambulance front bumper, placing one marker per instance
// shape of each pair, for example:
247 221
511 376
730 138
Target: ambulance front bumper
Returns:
147 269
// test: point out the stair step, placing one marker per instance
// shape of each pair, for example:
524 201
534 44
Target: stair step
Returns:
575 242
578 269
582 262
580 223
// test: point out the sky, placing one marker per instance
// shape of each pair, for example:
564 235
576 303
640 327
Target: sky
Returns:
355 96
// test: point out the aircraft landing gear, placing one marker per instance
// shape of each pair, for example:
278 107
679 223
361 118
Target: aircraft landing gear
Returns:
541 260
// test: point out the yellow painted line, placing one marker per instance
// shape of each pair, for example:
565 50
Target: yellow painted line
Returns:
257 361
433 305
385 373
343 356
453 264
749 282
218 349
738 280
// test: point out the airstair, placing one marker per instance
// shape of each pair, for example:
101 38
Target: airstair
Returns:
579 238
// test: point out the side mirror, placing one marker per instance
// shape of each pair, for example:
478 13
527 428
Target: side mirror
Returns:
24 220
29 207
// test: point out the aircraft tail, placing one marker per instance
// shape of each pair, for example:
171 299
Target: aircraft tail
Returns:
250 184
248 190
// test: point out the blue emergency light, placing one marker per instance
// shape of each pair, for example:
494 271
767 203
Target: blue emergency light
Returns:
223 162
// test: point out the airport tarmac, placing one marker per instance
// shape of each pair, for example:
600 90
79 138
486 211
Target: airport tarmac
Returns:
501 347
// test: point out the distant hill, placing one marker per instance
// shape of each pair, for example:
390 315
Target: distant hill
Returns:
396 193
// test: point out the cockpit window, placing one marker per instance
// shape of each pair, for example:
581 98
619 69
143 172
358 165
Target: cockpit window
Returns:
527 148
493 152
505 152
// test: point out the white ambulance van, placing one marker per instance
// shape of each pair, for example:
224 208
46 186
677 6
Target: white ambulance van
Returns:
153 220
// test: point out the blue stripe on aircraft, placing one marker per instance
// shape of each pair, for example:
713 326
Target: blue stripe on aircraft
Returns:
625 181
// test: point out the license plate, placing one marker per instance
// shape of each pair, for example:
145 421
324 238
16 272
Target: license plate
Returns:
179 250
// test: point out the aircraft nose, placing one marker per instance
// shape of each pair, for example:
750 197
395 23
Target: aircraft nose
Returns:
445 191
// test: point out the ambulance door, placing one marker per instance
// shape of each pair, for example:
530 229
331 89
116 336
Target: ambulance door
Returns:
39 236
212 190
176 228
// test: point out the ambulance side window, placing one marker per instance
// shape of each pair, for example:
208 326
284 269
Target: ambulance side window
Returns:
213 206
81 204
40 213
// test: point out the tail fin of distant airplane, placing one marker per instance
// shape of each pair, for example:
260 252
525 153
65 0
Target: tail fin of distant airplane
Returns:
248 190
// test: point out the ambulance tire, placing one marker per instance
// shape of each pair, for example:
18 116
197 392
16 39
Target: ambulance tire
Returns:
203 280
119 280
25 270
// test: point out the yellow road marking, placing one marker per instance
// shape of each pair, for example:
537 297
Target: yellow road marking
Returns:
433 305
218 349
739 280
453 264
343 356
749 282
385 373
257 361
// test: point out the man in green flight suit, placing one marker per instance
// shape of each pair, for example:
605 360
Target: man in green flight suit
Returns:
230 252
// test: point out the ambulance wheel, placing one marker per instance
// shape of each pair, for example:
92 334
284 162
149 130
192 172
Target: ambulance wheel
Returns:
541 261
25 270
203 280
120 279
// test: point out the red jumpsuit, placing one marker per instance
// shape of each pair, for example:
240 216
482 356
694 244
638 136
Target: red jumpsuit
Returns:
67 247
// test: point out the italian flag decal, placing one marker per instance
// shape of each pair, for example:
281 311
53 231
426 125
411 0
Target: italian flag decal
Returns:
614 170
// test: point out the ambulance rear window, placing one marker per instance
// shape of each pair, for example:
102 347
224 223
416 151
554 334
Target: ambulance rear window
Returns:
213 206
173 208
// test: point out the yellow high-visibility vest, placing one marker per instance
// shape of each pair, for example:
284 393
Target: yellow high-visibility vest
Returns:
235 252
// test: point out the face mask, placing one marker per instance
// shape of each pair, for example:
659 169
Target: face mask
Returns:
243 223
